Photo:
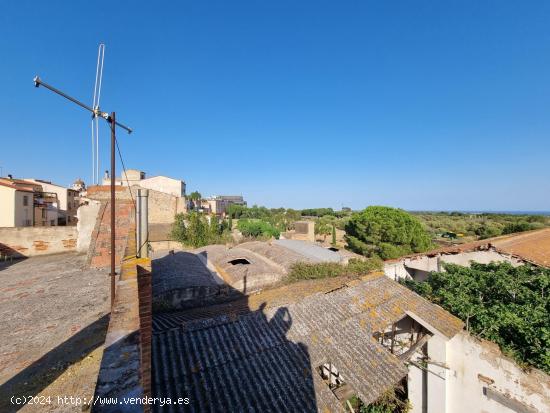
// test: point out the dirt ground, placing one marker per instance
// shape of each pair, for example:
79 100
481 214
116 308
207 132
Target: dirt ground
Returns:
54 314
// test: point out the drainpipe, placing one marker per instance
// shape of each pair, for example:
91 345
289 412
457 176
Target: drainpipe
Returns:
142 225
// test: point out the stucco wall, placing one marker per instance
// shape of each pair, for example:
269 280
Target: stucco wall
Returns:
419 267
87 217
23 214
31 241
164 184
482 379
7 207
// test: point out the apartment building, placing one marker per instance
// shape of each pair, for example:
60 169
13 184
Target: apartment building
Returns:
160 183
68 200
218 204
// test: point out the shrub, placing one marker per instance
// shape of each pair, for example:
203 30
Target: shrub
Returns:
307 271
517 227
195 230
257 228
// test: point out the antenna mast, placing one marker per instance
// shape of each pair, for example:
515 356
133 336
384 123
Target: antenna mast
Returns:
113 123
95 120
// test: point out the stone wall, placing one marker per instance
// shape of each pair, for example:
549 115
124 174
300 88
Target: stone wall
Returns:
31 241
163 207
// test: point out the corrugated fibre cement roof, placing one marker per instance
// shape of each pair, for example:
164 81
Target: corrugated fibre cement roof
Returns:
267 360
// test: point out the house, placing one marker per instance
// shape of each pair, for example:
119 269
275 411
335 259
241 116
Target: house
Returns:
478 376
44 204
68 200
311 354
160 183
166 196
16 205
520 248
218 204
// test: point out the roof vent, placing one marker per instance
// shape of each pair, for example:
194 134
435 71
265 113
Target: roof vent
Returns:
239 261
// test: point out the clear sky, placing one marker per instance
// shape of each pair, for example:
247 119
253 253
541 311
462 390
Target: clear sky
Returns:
414 104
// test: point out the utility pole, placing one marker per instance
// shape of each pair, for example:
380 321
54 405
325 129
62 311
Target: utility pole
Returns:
113 217
113 124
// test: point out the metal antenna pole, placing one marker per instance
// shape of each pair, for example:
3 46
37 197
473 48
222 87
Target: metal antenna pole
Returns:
113 249
113 124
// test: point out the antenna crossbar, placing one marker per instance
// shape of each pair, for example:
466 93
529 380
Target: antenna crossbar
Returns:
95 111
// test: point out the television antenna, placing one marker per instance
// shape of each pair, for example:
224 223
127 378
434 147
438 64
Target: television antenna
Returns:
113 123
95 118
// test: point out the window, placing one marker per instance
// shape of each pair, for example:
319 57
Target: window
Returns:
25 200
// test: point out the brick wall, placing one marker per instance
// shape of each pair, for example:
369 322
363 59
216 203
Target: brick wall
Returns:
99 254
145 325
126 364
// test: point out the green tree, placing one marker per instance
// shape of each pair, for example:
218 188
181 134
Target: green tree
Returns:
317 212
386 232
195 196
214 227
194 230
507 305
323 227
235 211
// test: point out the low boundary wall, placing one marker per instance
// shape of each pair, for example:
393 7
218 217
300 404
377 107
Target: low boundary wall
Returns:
125 370
32 241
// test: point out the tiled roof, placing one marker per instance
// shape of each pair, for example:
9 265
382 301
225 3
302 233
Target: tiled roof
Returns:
531 246
267 360
16 187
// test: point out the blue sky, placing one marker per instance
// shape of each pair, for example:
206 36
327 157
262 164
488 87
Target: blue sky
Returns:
419 105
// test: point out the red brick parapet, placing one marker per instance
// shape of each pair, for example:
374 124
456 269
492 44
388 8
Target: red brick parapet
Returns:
103 192
144 274
99 253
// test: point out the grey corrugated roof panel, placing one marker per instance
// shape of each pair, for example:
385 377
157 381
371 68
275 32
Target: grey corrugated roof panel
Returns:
233 366
312 251
279 254
181 269
270 358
